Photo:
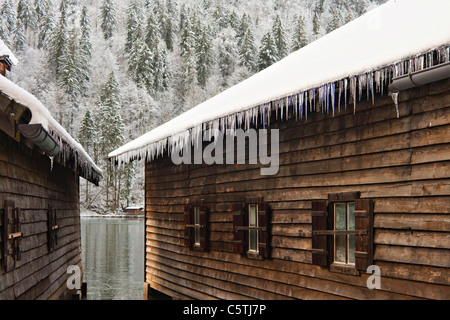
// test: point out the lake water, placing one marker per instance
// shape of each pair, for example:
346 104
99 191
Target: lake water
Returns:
113 258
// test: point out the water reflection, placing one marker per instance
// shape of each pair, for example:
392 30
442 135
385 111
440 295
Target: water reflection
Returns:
113 258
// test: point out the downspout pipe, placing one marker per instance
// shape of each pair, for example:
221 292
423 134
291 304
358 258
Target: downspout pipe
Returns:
420 78
40 137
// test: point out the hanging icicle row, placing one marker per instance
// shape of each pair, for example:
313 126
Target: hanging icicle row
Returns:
349 90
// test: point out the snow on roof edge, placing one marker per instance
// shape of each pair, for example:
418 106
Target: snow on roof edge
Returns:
378 40
41 115
5 51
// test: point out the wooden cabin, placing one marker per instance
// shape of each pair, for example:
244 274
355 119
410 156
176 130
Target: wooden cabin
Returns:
40 166
363 184
134 211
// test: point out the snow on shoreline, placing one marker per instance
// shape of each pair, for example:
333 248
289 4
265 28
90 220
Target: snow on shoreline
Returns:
86 213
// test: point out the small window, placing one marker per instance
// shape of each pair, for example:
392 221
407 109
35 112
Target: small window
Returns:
197 226
253 228
196 232
342 233
344 244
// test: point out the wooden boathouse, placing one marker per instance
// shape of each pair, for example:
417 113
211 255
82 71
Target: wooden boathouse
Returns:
363 182
40 166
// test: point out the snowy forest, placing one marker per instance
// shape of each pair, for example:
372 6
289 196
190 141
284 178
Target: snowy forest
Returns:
111 70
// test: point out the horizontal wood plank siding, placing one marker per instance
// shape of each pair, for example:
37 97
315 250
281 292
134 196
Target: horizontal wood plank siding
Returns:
403 164
27 179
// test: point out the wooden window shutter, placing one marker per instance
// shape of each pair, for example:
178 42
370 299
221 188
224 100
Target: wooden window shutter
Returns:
188 232
364 242
11 235
319 241
264 233
52 227
239 243
204 230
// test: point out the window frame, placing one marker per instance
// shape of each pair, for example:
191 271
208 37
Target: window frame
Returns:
323 233
333 260
242 228
192 228
340 198
197 226
254 228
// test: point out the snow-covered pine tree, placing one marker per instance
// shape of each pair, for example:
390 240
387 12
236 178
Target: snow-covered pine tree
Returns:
299 39
26 14
204 56
152 30
161 73
144 70
335 22
7 21
42 8
228 55
19 36
86 136
46 27
169 25
134 16
268 53
111 135
279 36
108 19
316 21
247 51
58 41
133 56
85 40
244 25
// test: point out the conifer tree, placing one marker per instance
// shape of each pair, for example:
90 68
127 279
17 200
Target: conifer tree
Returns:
161 71
108 19
85 40
152 31
335 22
247 51
316 22
299 39
280 38
204 56
134 15
19 36
86 136
111 135
26 14
169 26
46 28
7 22
268 53
58 41
228 55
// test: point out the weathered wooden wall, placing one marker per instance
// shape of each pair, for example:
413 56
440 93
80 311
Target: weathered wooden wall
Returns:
402 164
27 179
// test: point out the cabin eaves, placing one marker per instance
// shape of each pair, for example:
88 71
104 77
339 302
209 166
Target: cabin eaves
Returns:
395 39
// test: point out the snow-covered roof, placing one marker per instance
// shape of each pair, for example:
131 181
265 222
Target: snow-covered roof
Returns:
4 51
391 40
40 115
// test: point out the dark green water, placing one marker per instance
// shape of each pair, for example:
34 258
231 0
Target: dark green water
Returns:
113 258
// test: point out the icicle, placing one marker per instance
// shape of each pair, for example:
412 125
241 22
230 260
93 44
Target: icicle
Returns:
362 82
333 96
301 101
394 96
345 91
353 91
